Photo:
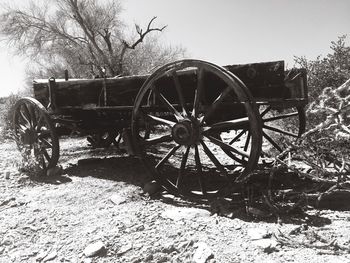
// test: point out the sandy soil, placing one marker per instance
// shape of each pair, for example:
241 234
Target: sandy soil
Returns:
98 200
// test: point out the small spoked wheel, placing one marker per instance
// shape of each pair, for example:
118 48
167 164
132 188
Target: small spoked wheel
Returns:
280 128
35 134
104 139
185 120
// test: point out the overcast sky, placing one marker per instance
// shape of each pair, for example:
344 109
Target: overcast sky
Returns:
228 31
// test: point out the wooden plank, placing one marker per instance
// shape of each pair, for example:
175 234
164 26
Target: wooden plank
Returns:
264 80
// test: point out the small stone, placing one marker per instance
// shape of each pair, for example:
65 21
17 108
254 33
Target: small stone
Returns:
149 257
237 224
184 244
52 255
202 253
181 213
125 248
41 255
7 175
268 245
168 248
117 199
151 188
140 228
258 233
93 249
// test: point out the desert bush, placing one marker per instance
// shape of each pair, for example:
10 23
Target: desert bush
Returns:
6 115
328 73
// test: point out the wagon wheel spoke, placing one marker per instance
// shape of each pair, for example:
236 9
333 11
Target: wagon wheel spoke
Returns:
198 92
21 128
33 115
157 139
216 103
239 135
272 142
161 120
43 134
191 93
41 160
35 131
167 156
199 171
241 161
25 115
169 105
237 124
265 111
46 155
180 175
281 125
247 141
280 131
46 143
179 93
280 117
227 147
40 122
212 157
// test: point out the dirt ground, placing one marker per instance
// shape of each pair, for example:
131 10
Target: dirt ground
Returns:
96 211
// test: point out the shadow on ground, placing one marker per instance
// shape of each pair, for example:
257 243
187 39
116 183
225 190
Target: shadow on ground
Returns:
119 169
131 170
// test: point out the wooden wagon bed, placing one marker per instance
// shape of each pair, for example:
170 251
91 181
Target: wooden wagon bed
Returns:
196 126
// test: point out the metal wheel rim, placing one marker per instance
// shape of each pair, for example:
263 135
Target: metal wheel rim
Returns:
35 133
234 85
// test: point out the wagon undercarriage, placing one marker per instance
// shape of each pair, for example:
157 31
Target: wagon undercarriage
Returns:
196 126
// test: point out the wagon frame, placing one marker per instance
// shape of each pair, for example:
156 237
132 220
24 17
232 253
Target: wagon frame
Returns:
196 126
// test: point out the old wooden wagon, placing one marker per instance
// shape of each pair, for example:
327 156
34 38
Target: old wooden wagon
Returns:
197 127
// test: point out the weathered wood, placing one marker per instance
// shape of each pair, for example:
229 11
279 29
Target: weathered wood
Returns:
264 80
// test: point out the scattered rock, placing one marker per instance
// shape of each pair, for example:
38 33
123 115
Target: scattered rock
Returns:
202 253
52 255
139 228
151 188
125 248
258 233
181 213
41 255
7 201
267 244
184 245
93 249
118 199
168 248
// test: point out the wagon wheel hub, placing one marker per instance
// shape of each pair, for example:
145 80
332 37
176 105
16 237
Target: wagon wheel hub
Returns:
28 136
186 132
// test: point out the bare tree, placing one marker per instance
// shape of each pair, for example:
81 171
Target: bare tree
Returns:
85 36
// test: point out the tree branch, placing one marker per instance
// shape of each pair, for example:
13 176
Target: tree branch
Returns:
142 35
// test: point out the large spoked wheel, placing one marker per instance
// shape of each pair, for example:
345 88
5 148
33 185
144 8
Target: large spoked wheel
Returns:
35 133
184 122
281 128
